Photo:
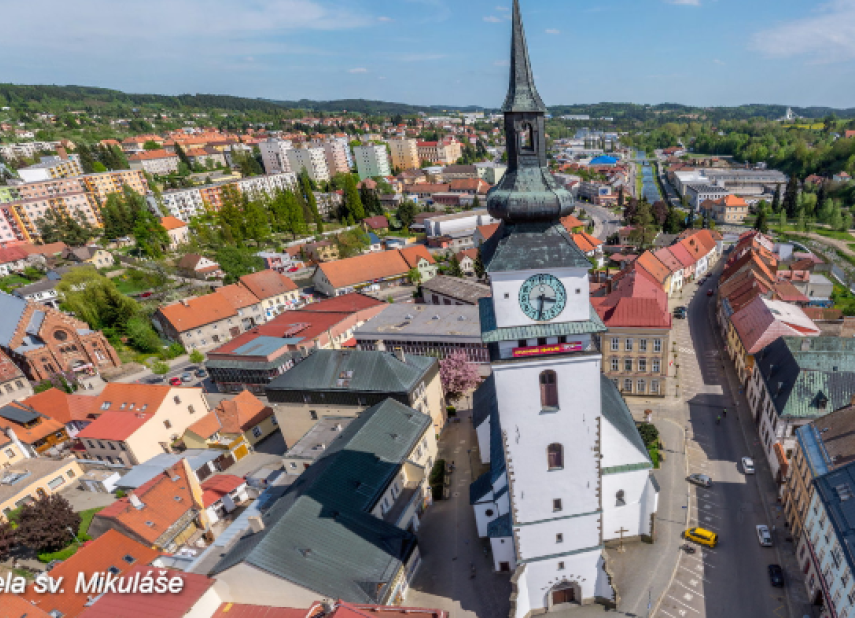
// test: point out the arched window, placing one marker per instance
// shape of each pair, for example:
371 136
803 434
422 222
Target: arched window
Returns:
555 456
548 390
621 498
526 138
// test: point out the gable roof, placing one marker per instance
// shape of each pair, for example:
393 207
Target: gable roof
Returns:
172 223
237 296
652 265
586 242
166 499
377 222
414 253
355 270
232 416
139 605
267 284
219 485
685 258
763 321
61 406
487 230
8 369
110 550
198 311
13 416
13 606
670 260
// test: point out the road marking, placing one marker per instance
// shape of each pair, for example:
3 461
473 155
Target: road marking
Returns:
687 588
667 614
701 562
687 570
683 604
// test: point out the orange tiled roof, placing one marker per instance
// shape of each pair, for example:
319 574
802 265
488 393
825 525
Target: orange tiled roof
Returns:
654 267
161 509
61 406
238 296
9 370
267 284
151 155
29 435
569 222
214 488
586 242
412 255
13 606
198 312
107 551
355 270
172 223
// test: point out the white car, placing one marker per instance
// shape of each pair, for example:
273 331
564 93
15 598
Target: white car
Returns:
764 536
747 465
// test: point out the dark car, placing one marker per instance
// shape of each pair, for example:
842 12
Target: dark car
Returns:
776 575
200 373
709 292
680 313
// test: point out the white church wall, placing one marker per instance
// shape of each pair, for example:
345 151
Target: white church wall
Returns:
482 519
632 517
523 604
482 432
530 430
584 569
503 551
506 287
543 539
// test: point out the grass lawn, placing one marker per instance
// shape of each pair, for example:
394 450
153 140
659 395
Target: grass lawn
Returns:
86 520
12 282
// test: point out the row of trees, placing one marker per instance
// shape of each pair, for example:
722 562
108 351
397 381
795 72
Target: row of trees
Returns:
96 158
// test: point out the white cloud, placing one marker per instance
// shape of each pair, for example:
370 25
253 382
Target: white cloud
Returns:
420 57
826 36
381 77
358 70
384 19
685 2
553 31
502 8
492 19
717 61
502 63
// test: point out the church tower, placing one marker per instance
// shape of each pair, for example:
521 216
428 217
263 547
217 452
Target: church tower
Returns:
540 416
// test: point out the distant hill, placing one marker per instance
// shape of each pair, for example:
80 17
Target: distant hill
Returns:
66 98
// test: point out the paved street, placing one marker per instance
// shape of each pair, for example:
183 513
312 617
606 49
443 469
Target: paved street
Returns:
730 581
606 222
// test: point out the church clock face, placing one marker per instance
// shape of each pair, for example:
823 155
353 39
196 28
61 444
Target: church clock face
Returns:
542 298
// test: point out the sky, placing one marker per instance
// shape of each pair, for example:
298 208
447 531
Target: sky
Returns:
441 52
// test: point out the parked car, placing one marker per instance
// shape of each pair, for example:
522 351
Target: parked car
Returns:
186 377
200 373
764 536
701 536
776 575
293 269
176 381
709 292
747 465
681 313
145 294
700 479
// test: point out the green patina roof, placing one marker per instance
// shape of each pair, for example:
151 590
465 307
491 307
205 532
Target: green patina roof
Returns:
532 246
491 333
354 371
319 534
803 373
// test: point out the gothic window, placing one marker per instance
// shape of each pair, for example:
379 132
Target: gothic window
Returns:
526 138
621 498
60 335
548 390
555 456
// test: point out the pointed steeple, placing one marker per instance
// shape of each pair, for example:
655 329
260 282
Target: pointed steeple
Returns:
522 94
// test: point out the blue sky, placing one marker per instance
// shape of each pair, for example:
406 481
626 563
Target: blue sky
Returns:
699 52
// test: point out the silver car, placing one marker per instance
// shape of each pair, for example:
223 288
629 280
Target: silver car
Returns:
747 465
700 479
764 536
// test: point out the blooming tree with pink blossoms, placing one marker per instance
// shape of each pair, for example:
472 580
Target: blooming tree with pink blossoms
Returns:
457 375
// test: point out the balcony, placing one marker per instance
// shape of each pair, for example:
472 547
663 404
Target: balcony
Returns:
410 494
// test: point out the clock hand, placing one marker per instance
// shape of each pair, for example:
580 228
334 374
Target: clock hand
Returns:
540 312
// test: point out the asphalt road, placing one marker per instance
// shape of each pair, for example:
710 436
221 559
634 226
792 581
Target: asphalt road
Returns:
606 222
730 581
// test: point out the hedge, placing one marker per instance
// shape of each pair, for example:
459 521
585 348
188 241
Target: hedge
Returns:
63 554
437 479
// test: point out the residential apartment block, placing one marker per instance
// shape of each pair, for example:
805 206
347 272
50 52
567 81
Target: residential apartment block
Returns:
274 155
405 154
62 166
311 160
157 162
372 160
337 155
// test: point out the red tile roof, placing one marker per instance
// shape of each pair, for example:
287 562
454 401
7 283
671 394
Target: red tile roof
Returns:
29 435
150 155
63 407
346 303
13 606
238 296
569 222
637 302
12 254
377 223
787 292
138 605
679 252
108 550
172 223
126 408
355 610
116 426
665 256
233 416
586 242
267 284
362 268
487 230
413 254
652 265
160 507
215 487
762 321
236 610
195 312
305 325
8 369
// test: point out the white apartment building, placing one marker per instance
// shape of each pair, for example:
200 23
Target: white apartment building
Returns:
183 204
274 155
25 150
337 155
312 160
52 167
372 160
159 162
269 184
405 154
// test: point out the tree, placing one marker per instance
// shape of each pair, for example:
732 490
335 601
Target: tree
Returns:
457 375
644 229
826 211
196 357
255 224
151 237
407 213
237 262
660 212
48 524
58 226
94 298
782 218
160 368
476 203
182 156
629 209
142 336
478 266
414 276
7 539
352 202
673 222
760 223
776 200
620 197
310 203
791 196
454 269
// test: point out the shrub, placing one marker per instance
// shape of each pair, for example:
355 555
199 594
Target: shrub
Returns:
63 554
649 434
437 474
121 493
451 410
86 519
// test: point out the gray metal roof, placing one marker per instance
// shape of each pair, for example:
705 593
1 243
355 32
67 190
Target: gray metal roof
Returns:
484 401
463 290
532 246
34 288
11 308
262 346
491 333
354 371
836 490
144 472
522 94
617 413
319 534
455 323
313 444
18 415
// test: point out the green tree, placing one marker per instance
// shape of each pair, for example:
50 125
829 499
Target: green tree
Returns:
196 357
644 227
237 262
826 211
182 156
286 214
255 224
94 298
160 368
58 226
454 269
673 221
791 196
476 203
142 335
151 237
782 218
760 223
478 266
151 145
414 276
352 202
776 200
407 213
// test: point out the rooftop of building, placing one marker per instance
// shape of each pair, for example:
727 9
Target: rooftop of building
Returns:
423 323
314 443
23 474
464 290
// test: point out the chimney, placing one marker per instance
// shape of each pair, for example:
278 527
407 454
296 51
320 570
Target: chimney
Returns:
305 352
399 354
380 346
136 502
256 523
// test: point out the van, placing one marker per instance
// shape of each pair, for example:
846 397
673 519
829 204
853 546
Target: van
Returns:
701 537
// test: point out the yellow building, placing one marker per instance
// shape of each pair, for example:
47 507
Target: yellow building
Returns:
236 424
405 154
99 186
31 479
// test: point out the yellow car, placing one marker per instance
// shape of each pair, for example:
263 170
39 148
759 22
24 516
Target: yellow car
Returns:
701 536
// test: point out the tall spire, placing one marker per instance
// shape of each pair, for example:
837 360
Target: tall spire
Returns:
522 94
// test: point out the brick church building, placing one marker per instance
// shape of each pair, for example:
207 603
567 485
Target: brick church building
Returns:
44 341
